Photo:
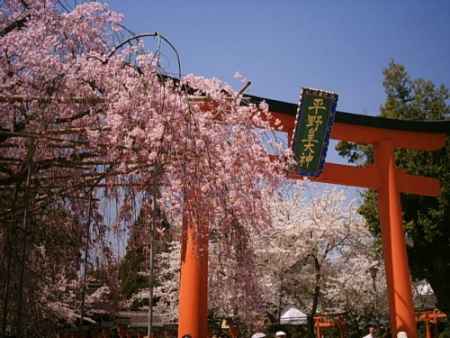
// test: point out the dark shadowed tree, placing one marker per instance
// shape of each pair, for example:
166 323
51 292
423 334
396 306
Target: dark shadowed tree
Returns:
426 219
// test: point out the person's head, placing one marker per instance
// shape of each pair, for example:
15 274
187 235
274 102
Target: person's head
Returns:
372 327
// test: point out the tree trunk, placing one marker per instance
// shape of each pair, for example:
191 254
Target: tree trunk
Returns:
316 297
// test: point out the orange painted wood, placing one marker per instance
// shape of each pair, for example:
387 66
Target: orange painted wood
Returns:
432 315
369 177
386 236
193 304
323 322
427 330
399 138
369 135
395 256
287 123
418 185
333 173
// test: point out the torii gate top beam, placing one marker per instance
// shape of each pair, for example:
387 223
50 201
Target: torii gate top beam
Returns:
364 129
361 129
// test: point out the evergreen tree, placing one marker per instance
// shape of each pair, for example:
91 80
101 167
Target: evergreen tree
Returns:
134 268
426 219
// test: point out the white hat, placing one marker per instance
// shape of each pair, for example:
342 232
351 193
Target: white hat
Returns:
402 334
258 335
280 334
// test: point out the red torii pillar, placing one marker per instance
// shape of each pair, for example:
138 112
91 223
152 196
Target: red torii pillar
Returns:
193 296
382 176
431 316
389 182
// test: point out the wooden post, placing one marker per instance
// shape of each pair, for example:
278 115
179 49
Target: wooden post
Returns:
427 329
396 261
193 307
233 331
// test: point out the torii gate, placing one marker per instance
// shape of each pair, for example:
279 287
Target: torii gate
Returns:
385 135
322 322
430 317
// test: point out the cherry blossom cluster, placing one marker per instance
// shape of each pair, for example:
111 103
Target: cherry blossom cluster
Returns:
80 117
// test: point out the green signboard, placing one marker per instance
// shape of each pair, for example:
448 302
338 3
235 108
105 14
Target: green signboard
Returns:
315 117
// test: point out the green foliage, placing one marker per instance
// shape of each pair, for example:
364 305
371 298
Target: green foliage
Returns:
132 265
445 334
131 279
135 265
426 219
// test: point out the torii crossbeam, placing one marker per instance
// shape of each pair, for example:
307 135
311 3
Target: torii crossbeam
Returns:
385 135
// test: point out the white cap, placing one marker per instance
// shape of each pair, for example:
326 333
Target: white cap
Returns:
402 334
280 334
258 335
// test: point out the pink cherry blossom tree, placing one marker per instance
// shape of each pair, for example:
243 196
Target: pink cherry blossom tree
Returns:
82 116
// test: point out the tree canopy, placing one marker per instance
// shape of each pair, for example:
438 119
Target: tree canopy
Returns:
426 219
83 116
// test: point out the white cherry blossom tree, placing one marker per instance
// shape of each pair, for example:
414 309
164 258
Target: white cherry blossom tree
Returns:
313 234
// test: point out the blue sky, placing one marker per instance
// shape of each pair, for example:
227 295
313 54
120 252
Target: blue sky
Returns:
284 45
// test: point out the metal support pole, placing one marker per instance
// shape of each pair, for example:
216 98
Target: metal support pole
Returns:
151 269
24 250
86 259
